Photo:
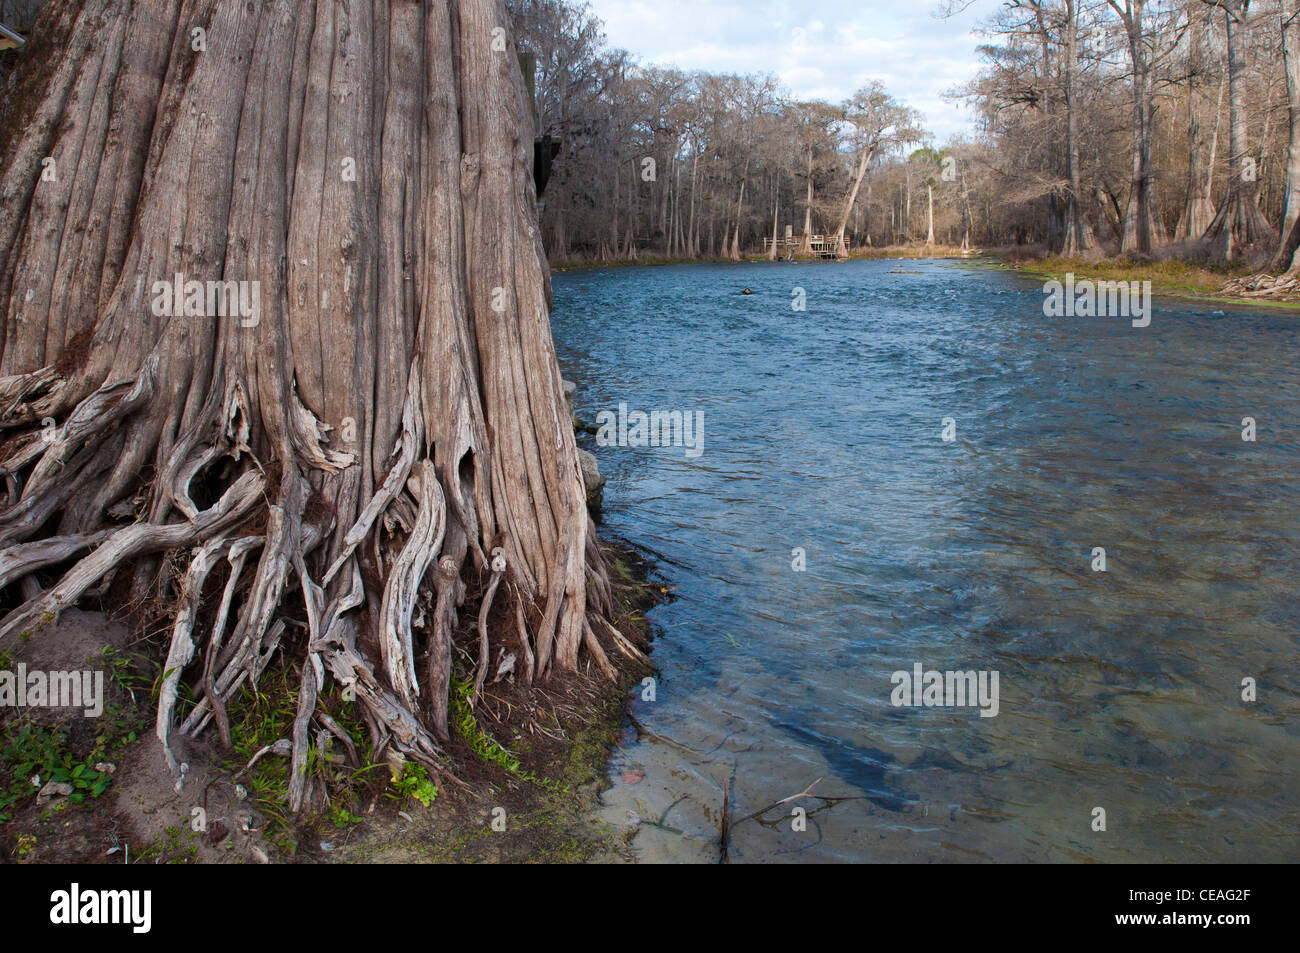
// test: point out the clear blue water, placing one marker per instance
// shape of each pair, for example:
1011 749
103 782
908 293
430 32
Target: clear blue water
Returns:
822 431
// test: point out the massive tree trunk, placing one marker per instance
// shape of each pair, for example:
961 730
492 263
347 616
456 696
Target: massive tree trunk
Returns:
929 234
1238 223
380 430
734 253
776 217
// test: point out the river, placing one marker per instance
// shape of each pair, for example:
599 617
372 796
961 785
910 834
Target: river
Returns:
825 535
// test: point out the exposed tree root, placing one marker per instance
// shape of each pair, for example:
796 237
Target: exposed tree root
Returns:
484 652
1238 225
1283 287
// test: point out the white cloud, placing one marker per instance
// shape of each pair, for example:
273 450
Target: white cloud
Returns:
821 49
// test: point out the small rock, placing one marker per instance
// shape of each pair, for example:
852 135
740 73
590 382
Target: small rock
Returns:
570 391
633 777
105 768
55 789
591 479
259 855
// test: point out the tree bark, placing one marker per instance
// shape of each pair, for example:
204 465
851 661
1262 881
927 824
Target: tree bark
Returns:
391 412
864 159
1075 238
1142 230
1285 259
929 235
1238 223
1198 211
776 217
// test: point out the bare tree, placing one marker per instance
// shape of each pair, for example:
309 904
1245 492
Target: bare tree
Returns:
1143 230
875 122
1238 223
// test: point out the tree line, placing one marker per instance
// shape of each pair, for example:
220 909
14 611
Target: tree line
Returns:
1101 127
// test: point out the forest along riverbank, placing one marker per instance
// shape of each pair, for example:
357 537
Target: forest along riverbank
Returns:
1172 278
829 536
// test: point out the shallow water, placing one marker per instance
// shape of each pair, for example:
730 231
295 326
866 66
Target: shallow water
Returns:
822 431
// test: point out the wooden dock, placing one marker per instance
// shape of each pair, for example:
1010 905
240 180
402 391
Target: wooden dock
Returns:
822 246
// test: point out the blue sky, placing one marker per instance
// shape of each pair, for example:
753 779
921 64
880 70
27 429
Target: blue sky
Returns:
820 49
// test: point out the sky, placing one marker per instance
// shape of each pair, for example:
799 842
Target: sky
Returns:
818 49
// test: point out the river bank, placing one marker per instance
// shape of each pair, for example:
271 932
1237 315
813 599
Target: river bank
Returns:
865 254
529 762
1171 278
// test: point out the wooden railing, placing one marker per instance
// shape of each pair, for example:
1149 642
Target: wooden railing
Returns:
823 246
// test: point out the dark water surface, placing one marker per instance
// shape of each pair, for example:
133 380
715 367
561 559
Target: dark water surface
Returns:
822 431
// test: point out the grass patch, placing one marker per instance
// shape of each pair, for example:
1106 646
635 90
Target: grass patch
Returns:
1169 276
70 752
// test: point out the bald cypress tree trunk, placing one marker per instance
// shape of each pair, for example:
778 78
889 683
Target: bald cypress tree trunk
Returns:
1238 223
1142 227
274 295
1285 259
